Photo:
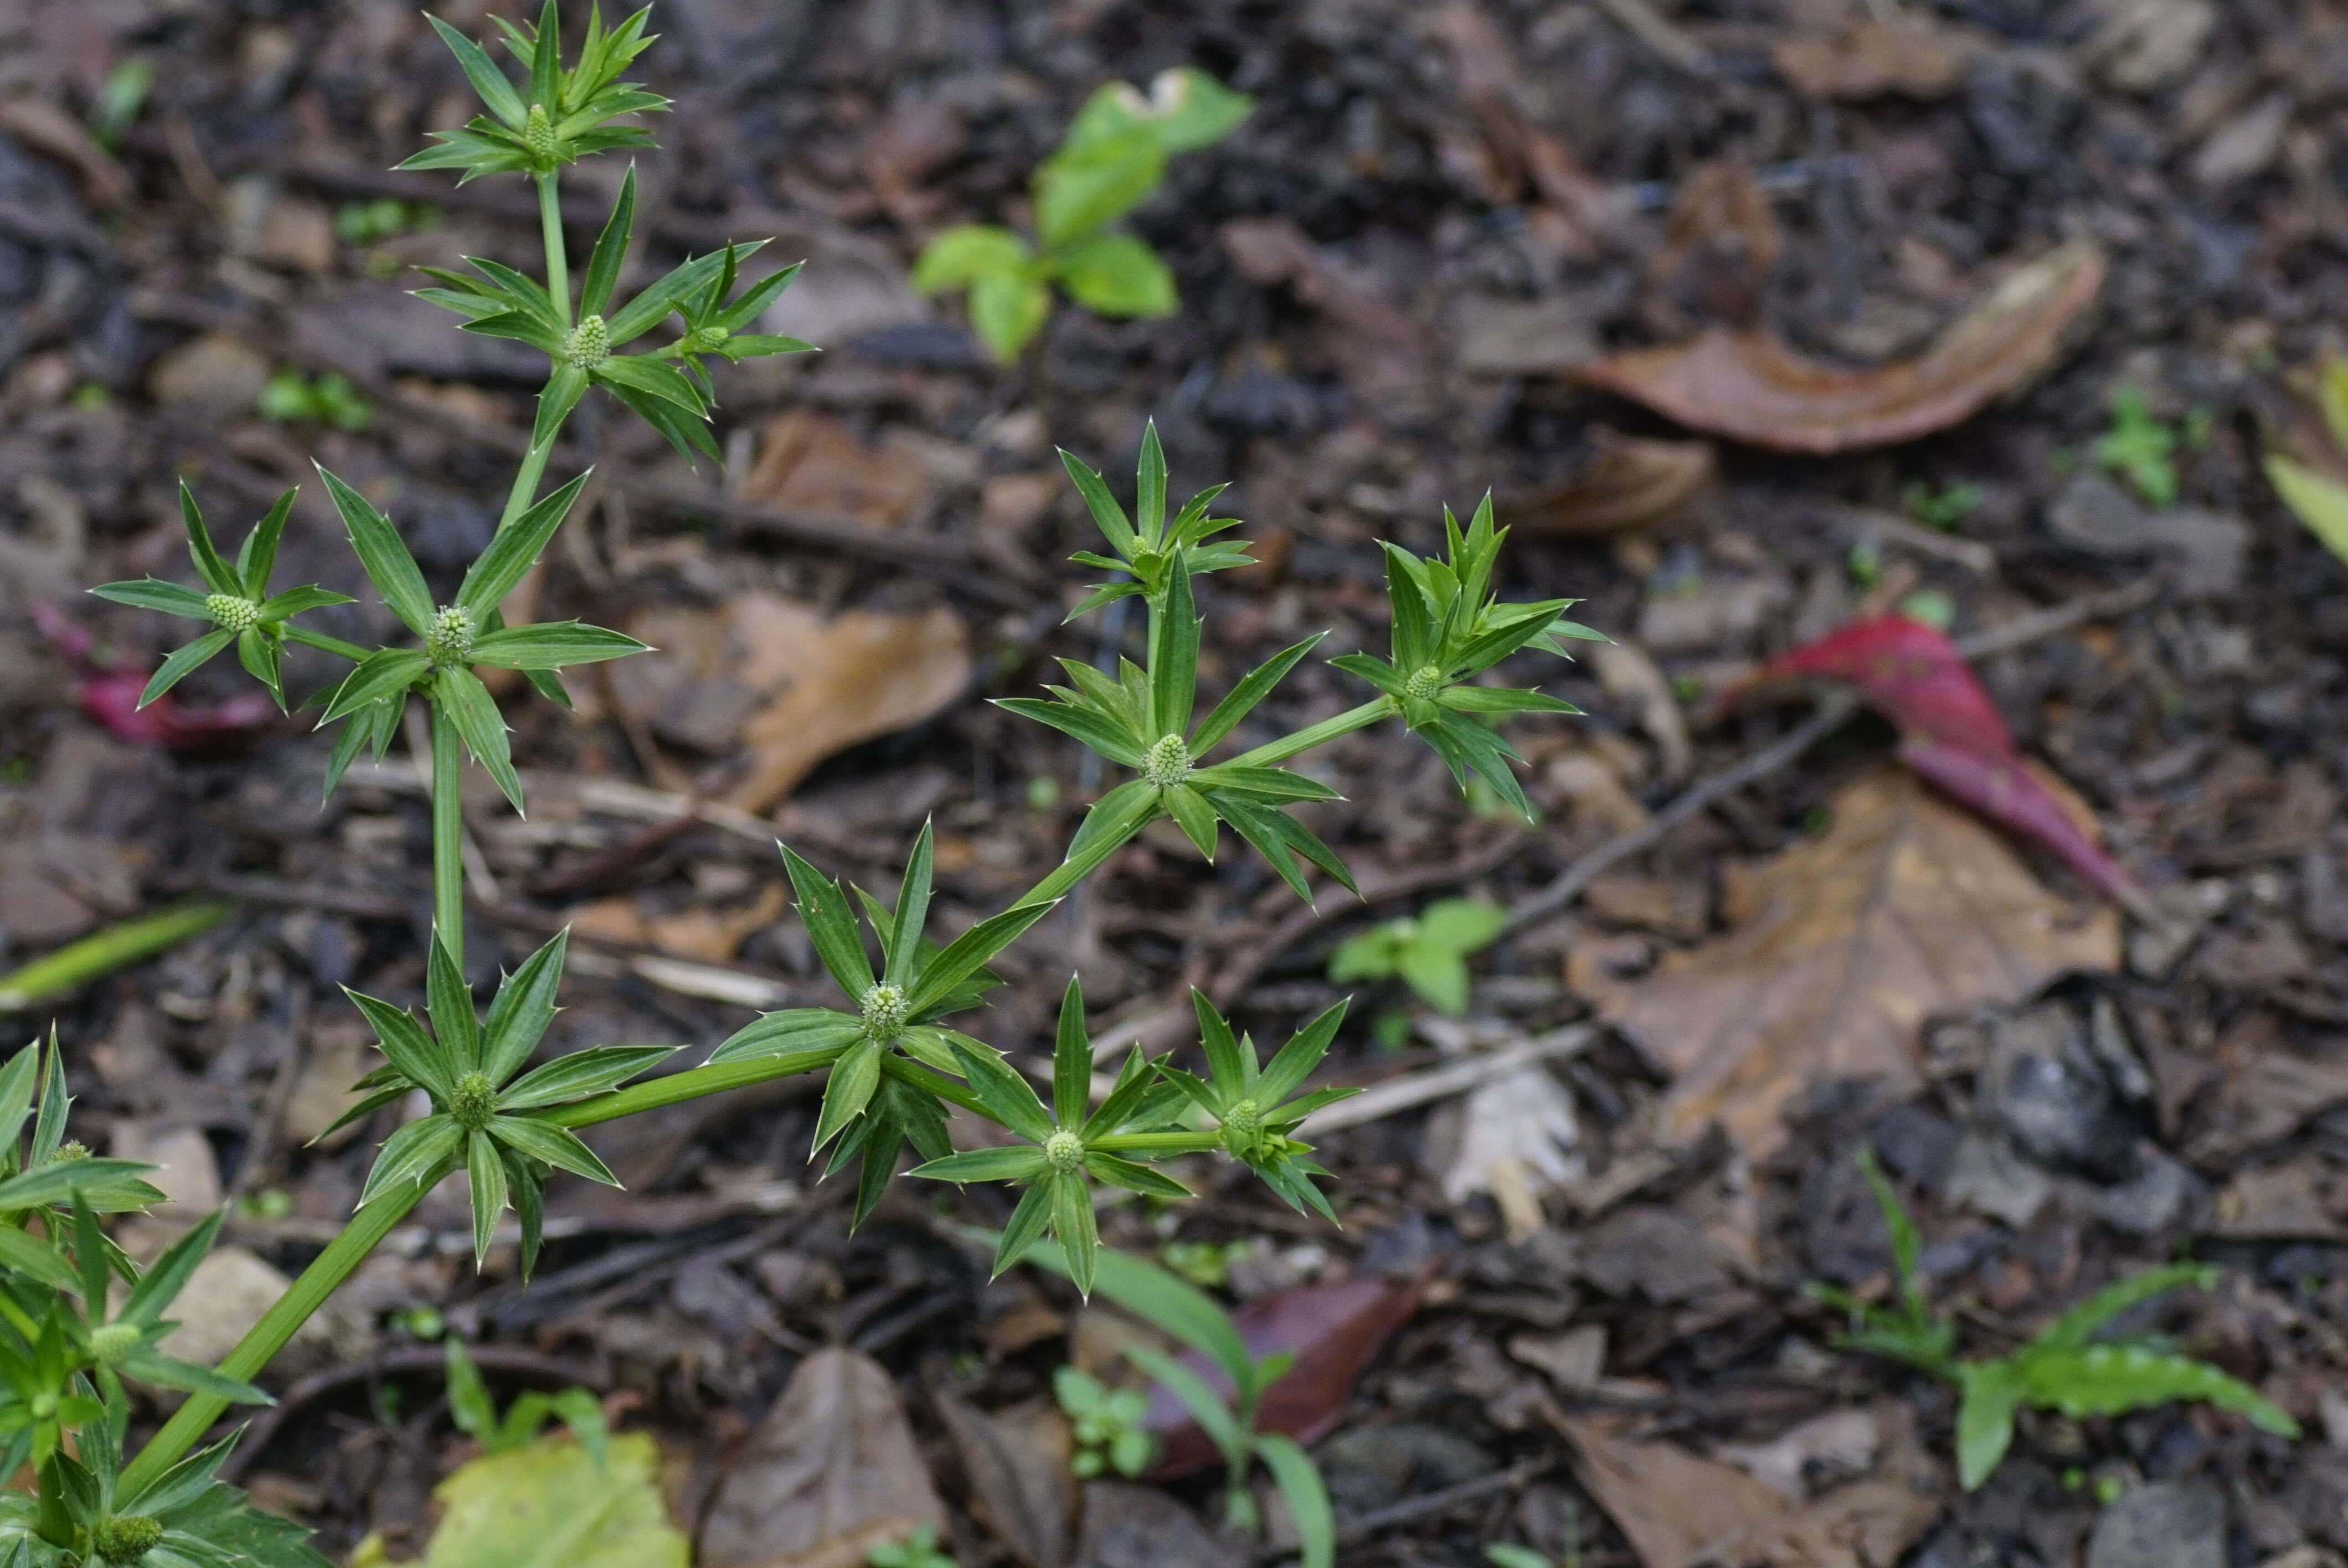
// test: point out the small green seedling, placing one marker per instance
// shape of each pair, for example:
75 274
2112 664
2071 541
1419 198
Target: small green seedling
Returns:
476 1414
1196 1318
1944 507
1931 606
385 218
2139 448
291 398
1428 951
2064 1368
1507 1555
1205 1263
1106 1422
119 101
919 1550
1111 161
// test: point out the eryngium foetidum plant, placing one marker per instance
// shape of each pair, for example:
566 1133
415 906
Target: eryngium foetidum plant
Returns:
894 1058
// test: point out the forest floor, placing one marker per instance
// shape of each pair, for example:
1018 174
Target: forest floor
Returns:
1587 1330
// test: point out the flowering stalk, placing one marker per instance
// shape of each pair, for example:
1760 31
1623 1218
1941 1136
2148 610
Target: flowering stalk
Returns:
893 1058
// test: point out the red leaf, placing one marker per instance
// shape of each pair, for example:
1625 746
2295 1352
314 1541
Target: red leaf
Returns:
108 693
1333 1330
1952 734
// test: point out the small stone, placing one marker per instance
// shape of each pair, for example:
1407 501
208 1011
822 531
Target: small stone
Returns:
217 374
2245 146
2167 1524
2163 1193
1988 1177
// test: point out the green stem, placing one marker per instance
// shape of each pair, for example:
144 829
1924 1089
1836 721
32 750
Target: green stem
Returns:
715 1078
937 1083
333 645
558 259
116 947
277 1326
525 486
1157 1143
447 835
1312 735
1073 870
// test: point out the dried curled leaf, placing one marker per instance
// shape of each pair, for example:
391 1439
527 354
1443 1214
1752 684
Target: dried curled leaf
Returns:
1629 482
1753 387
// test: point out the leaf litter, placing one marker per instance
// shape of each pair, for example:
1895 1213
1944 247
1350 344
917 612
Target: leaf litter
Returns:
1836 950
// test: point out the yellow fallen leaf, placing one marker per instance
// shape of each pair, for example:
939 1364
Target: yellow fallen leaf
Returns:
550 1505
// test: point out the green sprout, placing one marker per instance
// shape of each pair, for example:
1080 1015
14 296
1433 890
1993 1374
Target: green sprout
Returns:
119 101
1112 159
385 218
1205 1263
1229 1415
2065 1367
1106 1424
1428 951
291 398
2139 448
918 1550
1944 507
476 1414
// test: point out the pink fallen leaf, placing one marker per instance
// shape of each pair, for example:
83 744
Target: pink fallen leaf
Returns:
109 690
1334 1331
1953 734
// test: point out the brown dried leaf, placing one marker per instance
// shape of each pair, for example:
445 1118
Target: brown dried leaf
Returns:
1679 1511
1719 245
788 683
1753 387
1017 1464
810 461
1871 60
1838 948
1141 1527
830 1472
704 935
2305 1198
1629 482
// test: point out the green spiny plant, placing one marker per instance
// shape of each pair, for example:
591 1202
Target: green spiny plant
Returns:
894 1058
1112 159
2065 1367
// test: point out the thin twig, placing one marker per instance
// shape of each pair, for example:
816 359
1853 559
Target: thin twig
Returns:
1651 27
1398 1095
1831 711
1698 797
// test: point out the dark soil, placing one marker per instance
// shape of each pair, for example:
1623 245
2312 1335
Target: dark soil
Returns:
2204 728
